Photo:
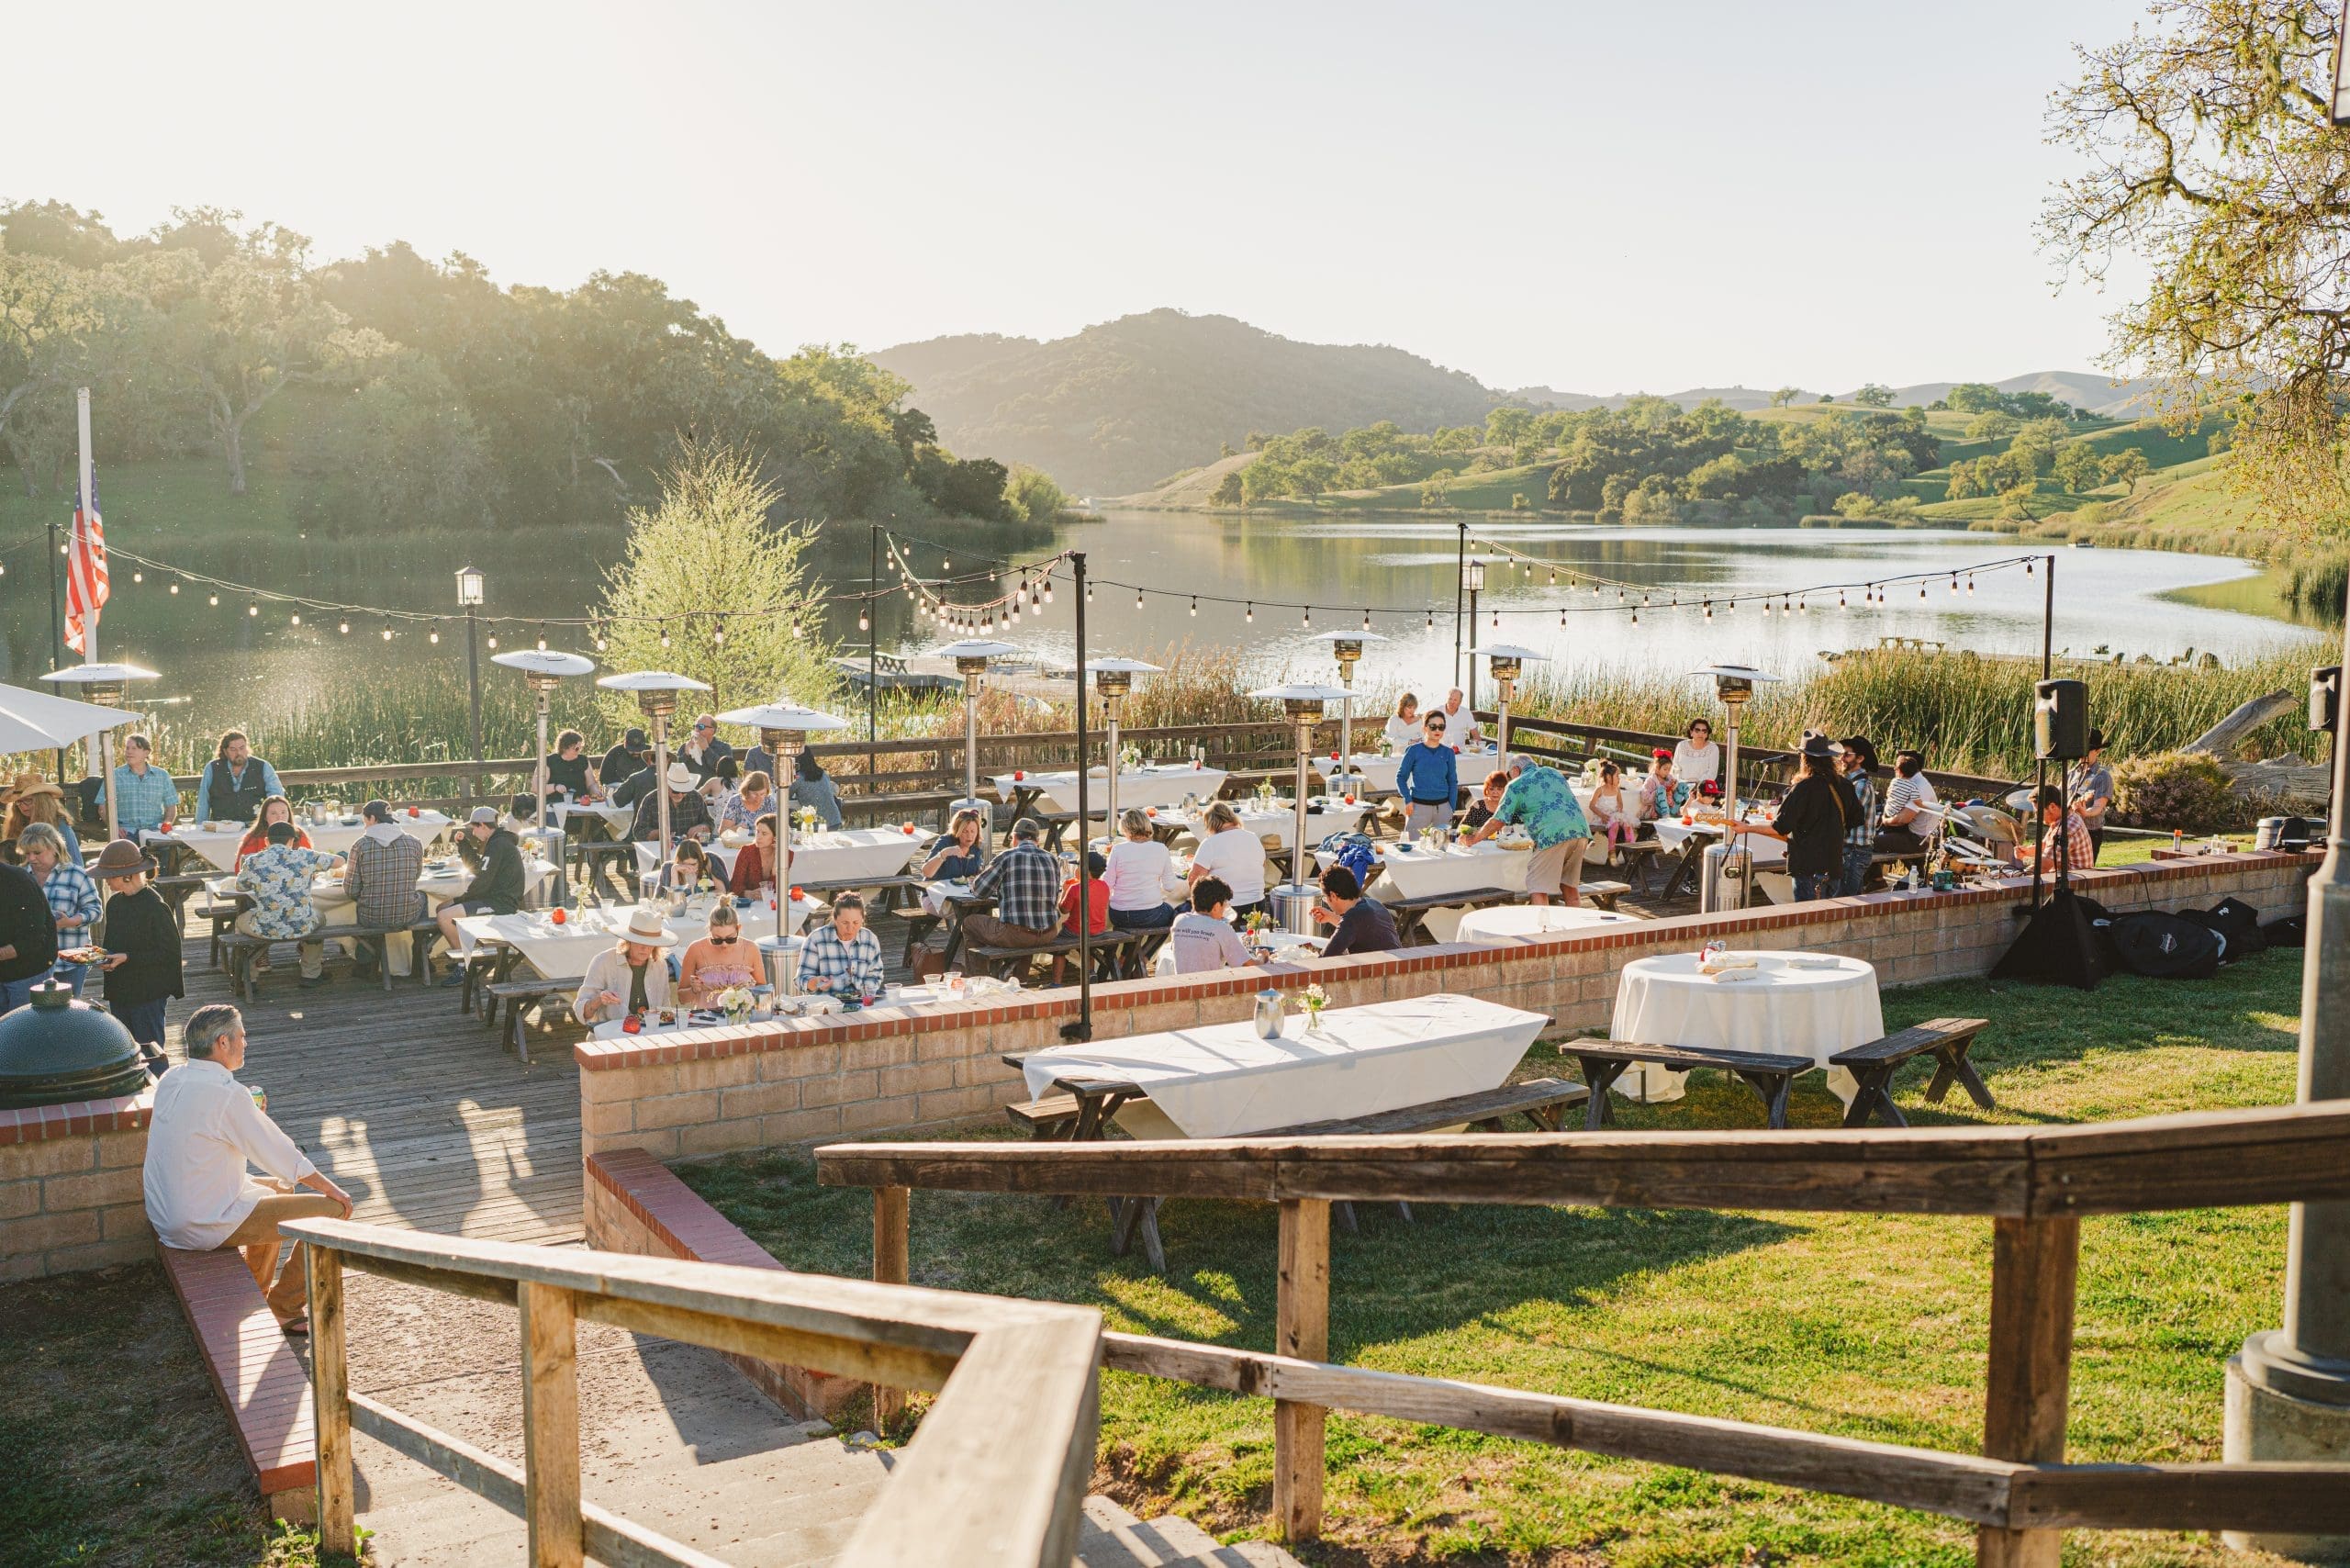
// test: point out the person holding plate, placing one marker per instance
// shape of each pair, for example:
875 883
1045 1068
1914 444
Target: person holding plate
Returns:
142 966
72 896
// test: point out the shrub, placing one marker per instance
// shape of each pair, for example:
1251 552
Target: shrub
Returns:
2177 789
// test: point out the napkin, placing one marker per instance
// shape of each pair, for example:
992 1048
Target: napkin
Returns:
1731 977
1726 964
1815 963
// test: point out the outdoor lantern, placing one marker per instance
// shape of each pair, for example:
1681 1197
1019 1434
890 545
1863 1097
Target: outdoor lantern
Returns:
1734 684
783 727
101 685
1507 661
469 587
1347 648
1472 576
1305 705
656 695
1112 679
971 656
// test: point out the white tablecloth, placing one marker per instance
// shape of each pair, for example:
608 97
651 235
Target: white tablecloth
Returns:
1421 871
1152 785
1222 1081
327 888
838 857
564 951
1323 816
1673 835
1527 920
1792 1011
621 817
1378 772
335 839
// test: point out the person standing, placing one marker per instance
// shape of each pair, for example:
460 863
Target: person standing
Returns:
205 1129
145 799
1856 764
35 801
2089 783
27 937
142 966
1539 801
234 783
1813 819
72 896
1429 776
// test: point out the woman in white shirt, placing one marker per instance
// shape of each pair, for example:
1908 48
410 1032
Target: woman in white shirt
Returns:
1613 811
1141 876
1697 758
1404 725
1235 855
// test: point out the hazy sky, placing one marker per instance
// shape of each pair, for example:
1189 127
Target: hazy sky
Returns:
1592 196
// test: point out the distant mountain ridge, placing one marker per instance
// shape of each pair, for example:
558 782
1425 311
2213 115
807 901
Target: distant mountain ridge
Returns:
2082 389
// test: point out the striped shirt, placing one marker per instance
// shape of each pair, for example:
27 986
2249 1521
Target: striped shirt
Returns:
72 894
140 800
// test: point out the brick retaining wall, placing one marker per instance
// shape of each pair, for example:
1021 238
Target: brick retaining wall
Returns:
70 1194
805 1082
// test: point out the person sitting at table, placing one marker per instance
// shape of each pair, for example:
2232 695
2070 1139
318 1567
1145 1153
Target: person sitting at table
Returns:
687 868
630 976
1232 854
1404 725
1359 925
956 855
73 898
1097 903
759 863
1489 795
1428 779
235 782
720 960
385 867
2079 849
1141 876
499 880
1025 883
688 813
843 959
623 760
205 1129
1661 794
142 966
811 786
276 809
34 799
1460 722
1908 799
1856 762
145 799
1613 811
1697 756
1202 937
1539 801
1813 818
570 776
277 879
742 809
703 751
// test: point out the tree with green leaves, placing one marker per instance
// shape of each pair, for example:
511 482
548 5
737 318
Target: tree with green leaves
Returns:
1785 397
1992 424
1229 491
1875 395
2126 467
2077 468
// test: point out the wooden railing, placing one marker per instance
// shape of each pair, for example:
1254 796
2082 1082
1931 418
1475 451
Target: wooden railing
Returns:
2036 1183
1555 740
961 1494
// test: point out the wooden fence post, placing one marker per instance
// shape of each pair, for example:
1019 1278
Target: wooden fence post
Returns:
1302 1328
551 1425
890 1244
2034 1266
331 1397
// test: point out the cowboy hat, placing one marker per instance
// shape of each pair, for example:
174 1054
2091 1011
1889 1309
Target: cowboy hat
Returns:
683 778
120 858
647 929
24 786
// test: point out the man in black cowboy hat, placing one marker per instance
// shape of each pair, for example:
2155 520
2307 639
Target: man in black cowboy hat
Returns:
143 963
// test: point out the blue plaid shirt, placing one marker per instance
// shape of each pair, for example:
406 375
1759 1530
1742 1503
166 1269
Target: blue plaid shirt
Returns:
1026 883
829 966
141 799
70 892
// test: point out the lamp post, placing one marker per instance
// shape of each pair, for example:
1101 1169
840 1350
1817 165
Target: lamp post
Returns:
1303 705
103 685
1112 679
1508 662
1460 586
1734 684
971 656
1472 578
783 727
1347 648
657 693
470 585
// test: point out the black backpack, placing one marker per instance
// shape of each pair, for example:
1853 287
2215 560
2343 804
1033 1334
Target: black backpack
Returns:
2168 947
2238 924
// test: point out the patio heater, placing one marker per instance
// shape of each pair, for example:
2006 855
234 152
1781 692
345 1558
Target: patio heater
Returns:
1347 648
1734 684
542 670
1112 679
1508 662
783 727
103 685
1293 902
656 695
971 656
1472 578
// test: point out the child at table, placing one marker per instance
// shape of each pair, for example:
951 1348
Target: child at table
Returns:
1097 903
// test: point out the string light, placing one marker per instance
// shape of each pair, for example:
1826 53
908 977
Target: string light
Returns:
251 608
1970 584
216 600
1366 619
665 634
1921 593
295 620
387 630
1309 618
175 587
542 637
344 628
1431 620
138 576
493 642
717 631
864 620
1252 614
1954 585
1137 598
1841 603
1709 611
1196 607
435 637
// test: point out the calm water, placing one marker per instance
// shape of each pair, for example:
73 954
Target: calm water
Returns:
214 658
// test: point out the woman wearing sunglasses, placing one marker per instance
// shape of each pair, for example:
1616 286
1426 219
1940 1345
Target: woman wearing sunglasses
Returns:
721 960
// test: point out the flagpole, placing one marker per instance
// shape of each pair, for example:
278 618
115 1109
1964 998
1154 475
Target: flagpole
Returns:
85 560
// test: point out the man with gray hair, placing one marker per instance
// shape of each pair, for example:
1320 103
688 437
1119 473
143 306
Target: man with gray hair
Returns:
1025 883
207 1127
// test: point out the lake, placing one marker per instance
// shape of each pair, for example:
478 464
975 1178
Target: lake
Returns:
218 660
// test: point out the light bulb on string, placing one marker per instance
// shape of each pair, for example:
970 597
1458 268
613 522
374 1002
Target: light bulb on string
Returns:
434 637
387 630
1709 611
1841 603
216 600
1970 584
717 631
1803 606
2027 565
138 576
1252 614
1562 619
175 587
1048 590
1497 619
251 608
1636 616
1309 618
1196 607
795 628
1921 593
493 641
864 620
665 634
598 630
1366 619
294 620
1137 598
1431 620
344 628
1954 585
543 637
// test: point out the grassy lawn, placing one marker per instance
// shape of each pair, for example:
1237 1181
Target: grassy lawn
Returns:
1864 1325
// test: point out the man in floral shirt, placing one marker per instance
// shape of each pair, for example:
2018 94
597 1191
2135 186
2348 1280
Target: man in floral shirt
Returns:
1539 800
277 879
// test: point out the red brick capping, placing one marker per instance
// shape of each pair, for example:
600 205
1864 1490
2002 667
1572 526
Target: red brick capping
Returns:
121 1112
880 1023
663 1212
259 1380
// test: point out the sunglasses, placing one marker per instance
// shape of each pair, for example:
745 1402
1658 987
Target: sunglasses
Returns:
722 941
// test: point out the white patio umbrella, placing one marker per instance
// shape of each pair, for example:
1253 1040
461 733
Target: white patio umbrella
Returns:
36 721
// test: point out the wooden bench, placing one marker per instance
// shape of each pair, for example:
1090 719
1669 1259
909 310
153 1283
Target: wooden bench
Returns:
1602 895
1638 858
518 997
1115 953
262 1382
1410 914
176 890
1947 1040
1768 1074
889 893
239 950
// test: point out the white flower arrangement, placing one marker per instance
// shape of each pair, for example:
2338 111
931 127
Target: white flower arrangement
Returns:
734 1001
1315 999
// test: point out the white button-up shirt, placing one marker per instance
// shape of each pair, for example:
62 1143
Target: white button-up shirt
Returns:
205 1129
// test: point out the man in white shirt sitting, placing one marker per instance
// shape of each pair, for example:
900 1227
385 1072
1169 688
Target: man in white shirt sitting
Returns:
1460 722
1202 937
205 1130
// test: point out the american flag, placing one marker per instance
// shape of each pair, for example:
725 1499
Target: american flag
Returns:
86 585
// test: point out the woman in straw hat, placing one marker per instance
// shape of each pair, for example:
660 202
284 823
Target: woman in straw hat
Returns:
32 799
142 962
630 977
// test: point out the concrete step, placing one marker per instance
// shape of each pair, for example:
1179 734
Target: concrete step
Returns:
1113 1538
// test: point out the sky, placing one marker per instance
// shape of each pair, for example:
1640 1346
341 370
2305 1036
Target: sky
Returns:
1597 197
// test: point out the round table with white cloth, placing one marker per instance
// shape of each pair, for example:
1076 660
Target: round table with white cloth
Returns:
1672 833
1532 920
1793 1003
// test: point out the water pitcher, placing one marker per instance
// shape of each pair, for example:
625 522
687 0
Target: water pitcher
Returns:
1269 1014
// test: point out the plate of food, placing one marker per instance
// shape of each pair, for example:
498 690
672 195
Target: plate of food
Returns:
80 955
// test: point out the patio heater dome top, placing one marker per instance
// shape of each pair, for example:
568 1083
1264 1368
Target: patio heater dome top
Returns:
100 675
1124 666
545 661
1734 672
1509 651
1301 691
975 648
651 681
1348 637
783 716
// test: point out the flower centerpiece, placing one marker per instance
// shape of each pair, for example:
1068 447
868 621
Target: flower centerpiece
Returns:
1129 757
735 1002
1315 999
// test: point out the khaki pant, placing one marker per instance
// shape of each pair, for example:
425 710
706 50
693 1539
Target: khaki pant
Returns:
287 1290
988 931
1556 870
313 954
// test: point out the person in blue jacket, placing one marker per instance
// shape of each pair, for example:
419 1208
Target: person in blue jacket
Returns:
1428 777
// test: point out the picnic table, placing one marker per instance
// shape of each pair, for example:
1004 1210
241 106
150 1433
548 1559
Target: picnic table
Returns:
1422 872
1792 1003
563 951
441 880
619 819
841 857
218 845
1324 815
1154 784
